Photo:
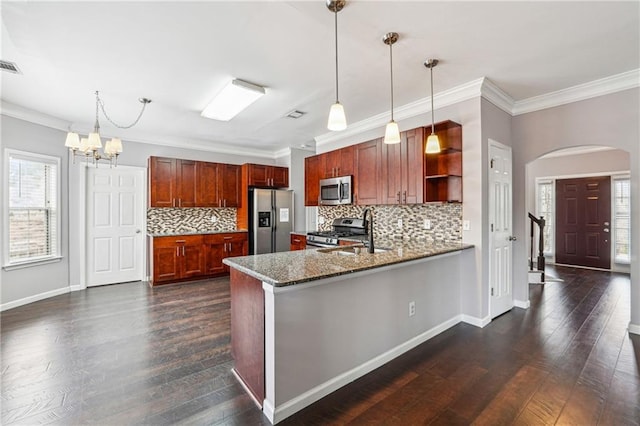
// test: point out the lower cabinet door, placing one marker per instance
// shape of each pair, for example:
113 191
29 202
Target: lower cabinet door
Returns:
193 258
166 265
214 252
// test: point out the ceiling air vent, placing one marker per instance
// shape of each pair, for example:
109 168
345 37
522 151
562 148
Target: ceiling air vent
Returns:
295 114
9 66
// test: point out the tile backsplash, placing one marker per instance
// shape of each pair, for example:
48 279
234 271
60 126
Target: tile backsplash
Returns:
188 220
446 220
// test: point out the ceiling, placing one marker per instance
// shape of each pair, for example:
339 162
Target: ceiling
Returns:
180 54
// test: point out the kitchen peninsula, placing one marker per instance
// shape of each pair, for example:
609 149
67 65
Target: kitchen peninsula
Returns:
305 323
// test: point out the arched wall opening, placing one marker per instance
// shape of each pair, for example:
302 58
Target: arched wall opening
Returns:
609 120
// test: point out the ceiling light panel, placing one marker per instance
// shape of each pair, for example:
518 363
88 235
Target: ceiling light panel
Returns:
232 99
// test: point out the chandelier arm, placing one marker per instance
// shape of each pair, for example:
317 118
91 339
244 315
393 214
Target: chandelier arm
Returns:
144 105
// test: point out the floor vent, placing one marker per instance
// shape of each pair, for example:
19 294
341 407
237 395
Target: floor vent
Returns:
9 66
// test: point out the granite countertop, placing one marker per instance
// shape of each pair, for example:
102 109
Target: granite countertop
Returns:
177 234
303 233
294 267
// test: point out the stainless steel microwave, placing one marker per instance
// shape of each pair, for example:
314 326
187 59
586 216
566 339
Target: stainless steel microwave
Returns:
336 191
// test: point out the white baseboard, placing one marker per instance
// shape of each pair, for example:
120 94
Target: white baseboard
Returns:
77 287
634 328
524 304
478 322
296 404
34 298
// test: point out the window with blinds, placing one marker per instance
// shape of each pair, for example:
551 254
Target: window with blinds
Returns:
622 219
33 201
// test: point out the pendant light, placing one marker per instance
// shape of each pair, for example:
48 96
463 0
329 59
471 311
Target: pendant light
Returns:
433 143
391 133
337 119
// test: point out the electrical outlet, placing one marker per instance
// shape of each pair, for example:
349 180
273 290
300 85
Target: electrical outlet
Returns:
399 223
427 224
214 219
412 308
466 225
320 220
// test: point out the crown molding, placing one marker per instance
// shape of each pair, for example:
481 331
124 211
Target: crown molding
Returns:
16 111
452 96
497 96
592 89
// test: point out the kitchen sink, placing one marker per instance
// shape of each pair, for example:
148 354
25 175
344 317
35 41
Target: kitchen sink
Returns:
351 250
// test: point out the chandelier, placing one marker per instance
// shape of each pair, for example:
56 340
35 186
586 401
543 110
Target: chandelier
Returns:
89 147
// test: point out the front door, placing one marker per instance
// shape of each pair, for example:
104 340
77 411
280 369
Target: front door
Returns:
500 224
115 217
583 222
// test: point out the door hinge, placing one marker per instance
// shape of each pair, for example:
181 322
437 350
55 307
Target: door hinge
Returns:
492 291
492 227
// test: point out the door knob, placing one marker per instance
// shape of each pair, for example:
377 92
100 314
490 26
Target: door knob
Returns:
138 231
512 238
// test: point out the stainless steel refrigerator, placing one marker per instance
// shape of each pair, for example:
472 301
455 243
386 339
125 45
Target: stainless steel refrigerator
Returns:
270 220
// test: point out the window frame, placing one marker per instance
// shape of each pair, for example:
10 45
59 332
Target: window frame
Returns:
549 219
614 216
56 254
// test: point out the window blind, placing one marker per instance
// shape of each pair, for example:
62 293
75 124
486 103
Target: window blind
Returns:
33 208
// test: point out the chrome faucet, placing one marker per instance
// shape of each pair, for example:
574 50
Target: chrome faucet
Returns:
370 247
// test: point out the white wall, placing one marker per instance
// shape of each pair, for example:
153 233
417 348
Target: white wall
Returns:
610 120
33 283
612 161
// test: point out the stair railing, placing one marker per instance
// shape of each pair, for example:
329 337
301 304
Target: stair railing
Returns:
540 260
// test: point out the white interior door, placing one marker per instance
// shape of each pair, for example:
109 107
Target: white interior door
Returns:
115 220
500 229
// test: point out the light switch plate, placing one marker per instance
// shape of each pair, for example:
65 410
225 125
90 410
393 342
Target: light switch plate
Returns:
466 225
427 224
320 220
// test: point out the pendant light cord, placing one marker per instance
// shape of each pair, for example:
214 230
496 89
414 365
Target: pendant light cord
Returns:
335 13
391 66
432 114
99 102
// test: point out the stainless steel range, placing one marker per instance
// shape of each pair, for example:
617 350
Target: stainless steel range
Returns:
341 228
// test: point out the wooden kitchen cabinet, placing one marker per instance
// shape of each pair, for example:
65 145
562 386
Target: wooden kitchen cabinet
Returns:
443 171
267 176
367 172
218 185
172 182
298 242
338 163
313 169
402 169
229 185
221 246
177 258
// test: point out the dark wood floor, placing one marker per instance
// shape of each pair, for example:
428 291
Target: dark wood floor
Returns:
129 354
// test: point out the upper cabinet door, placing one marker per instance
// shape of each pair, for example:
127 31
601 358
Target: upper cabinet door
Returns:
367 173
391 171
187 183
313 172
229 185
279 177
162 182
207 192
259 175
413 174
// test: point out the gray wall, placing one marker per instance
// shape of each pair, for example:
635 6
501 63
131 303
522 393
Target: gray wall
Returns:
51 278
34 282
610 120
